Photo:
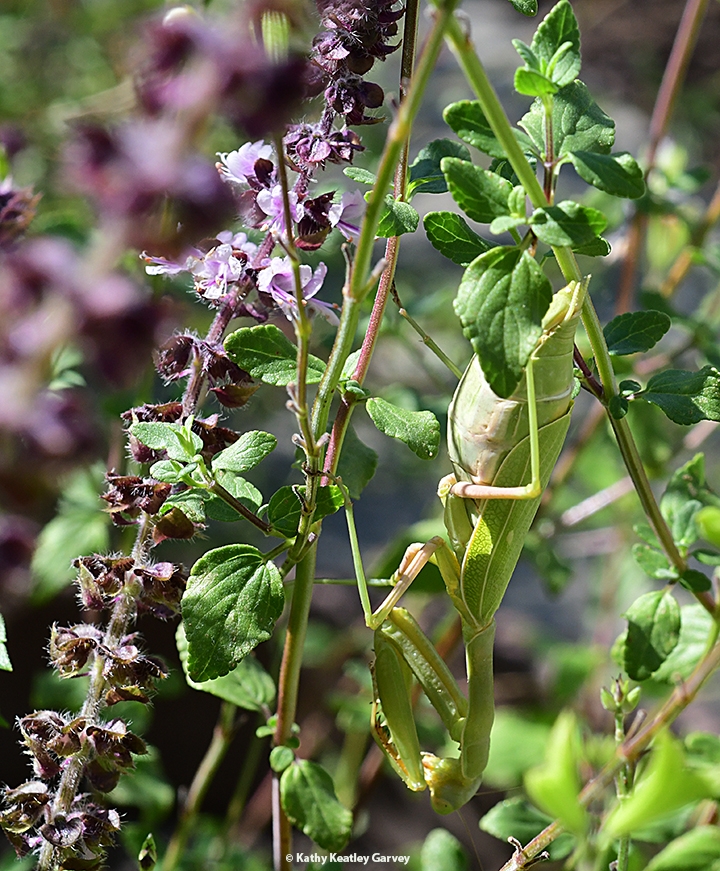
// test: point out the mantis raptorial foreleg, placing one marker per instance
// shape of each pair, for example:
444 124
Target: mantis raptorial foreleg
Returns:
503 452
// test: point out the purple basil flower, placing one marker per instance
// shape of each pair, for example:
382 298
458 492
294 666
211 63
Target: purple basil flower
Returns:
239 166
348 213
270 202
278 281
216 270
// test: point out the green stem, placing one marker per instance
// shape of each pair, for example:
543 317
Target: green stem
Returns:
215 753
288 684
358 285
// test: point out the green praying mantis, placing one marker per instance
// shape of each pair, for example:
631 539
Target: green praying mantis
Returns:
503 452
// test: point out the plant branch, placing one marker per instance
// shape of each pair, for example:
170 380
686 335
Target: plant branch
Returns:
627 753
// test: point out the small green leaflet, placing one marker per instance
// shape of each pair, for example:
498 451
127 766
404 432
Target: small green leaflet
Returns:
246 453
450 234
696 850
481 194
232 602
526 7
179 441
556 44
635 332
686 397
696 623
442 851
425 174
685 494
517 818
267 355
308 798
397 218
467 119
653 633
666 784
5 664
579 124
285 507
419 430
568 224
617 174
248 685
501 302
357 464
554 786
361 176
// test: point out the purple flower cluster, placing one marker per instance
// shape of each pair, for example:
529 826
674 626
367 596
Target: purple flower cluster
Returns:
356 34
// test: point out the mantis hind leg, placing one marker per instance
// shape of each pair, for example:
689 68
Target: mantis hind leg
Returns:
469 490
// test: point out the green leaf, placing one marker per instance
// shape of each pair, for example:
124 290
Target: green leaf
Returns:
696 850
361 176
329 500
419 430
179 441
217 508
357 464
555 785
397 218
248 685
442 851
147 856
284 510
567 224
666 785
190 502
246 453
526 7
426 176
506 223
78 529
635 332
267 355
450 234
556 44
516 818
695 581
686 397
653 633
599 247
285 507
232 601
280 758
684 496
579 124
653 562
467 119
532 83
308 798
171 471
618 174
694 630
481 194
5 664
708 523
501 302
